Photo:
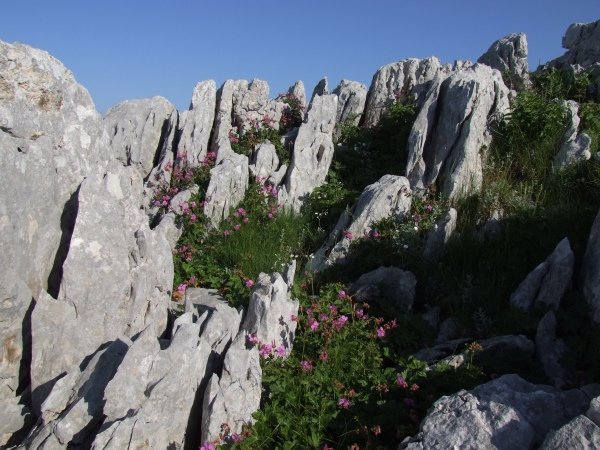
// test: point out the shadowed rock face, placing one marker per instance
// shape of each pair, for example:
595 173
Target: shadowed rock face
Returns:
51 138
509 54
352 96
452 130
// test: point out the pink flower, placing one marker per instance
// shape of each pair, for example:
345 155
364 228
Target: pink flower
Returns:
182 287
236 227
265 350
306 366
400 382
192 279
429 207
246 219
241 212
249 283
341 294
324 356
236 214
376 234
204 203
226 232
157 202
309 311
381 332
281 351
344 403
416 218
339 323
359 313
237 438
313 324
208 446
323 317
193 217
253 338
270 216
193 204
348 235
333 310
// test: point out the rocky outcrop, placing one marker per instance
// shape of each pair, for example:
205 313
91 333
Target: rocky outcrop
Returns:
51 139
509 54
575 146
117 278
322 88
298 90
352 96
388 197
547 283
251 102
222 126
227 186
590 271
399 286
470 419
409 77
579 433
582 40
439 235
452 130
141 132
549 350
264 161
195 125
313 152
270 311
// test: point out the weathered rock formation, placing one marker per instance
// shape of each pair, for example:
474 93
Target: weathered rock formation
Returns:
313 152
388 197
547 283
440 234
352 96
409 77
452 130
575 146
590 271
582 40
399 286
509 54
195 125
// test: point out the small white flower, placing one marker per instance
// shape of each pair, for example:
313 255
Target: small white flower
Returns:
416 228
435 226
405 246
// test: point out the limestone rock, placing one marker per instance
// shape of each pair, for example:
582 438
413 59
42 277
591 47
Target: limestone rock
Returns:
227 186
74 407
180 201
590 271
509 54
400 77
141 132
298 90
16 419
234 397
575 146
387 198
547 283
196 124
322 88
579 433
506 413
220 135
251 102
170 229
549 350
448 330
399 285
582 40
117 278
452 130
593 412
491 227
440 234
51 138
270 311
313 152
352 97
264 161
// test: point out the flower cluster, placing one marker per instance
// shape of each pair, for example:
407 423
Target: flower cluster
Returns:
293 115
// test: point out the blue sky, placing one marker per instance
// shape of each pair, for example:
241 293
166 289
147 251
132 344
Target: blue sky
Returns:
125 49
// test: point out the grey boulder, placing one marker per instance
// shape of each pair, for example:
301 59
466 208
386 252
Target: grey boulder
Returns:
453 129
227 187
575 146
590 271
506 413
387 198
352 97
549 350
547 283
270 312
406 76
398 285
117 278
264 161
195 125
313 152
439 235
509 54
51 138
578 434
582 41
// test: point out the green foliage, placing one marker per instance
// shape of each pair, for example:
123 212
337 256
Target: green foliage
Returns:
259 131
294 113
553 83
341 385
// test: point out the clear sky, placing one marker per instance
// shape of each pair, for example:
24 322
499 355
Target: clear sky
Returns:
126 49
